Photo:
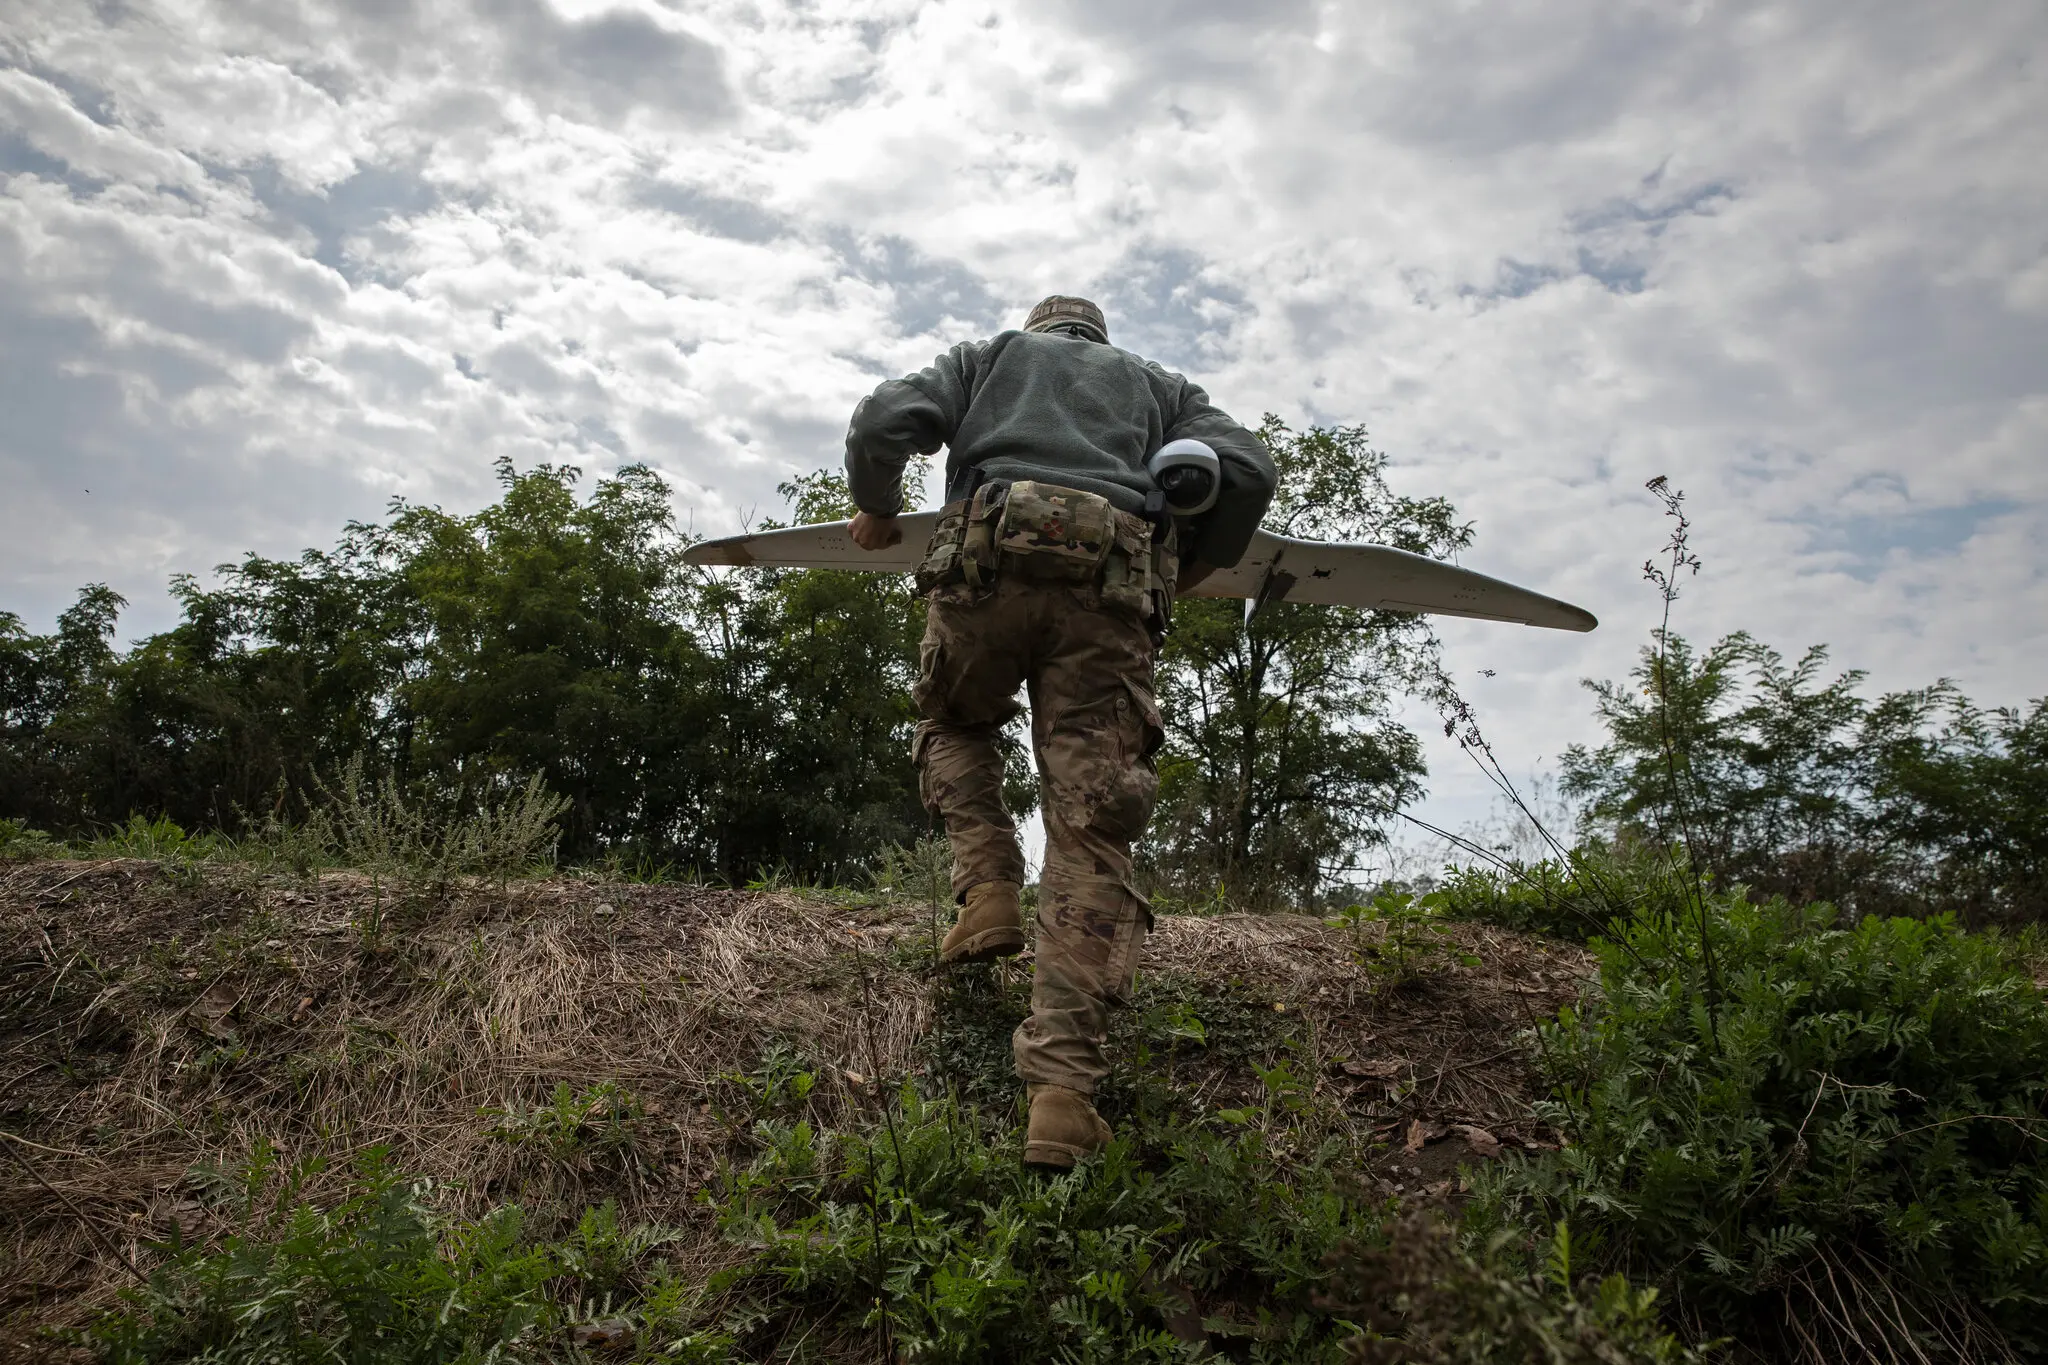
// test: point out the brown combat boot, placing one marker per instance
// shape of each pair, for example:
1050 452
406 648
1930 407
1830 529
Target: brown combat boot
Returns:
991 925
1064 1128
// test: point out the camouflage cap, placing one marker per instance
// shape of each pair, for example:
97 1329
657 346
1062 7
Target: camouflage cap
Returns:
1061 310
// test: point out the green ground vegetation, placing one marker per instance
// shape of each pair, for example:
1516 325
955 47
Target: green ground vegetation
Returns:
910 1232
1811 1134
1785 1131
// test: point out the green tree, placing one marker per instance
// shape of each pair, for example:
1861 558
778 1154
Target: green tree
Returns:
726 722
806 732
1964 792
1283 761
1781 777
553 641
41 676
1752 761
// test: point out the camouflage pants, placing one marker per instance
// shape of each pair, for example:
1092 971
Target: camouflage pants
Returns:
1087 667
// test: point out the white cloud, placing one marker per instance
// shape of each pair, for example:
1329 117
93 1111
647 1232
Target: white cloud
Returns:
262 267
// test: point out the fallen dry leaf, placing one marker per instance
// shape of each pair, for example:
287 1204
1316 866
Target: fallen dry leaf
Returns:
210 1011
187 1216
1373 1071
613 1334
1481 1141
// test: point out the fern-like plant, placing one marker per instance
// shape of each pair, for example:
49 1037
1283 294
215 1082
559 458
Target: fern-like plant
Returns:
1858 1150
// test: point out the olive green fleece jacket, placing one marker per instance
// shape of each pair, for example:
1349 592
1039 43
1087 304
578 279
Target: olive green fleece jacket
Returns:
1062 410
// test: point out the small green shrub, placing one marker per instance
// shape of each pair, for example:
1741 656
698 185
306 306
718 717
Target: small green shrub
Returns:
1194 900
19 841
573 1123
780 1083
1425 1300
374 825
927 1228
922 871
378 1277
975 1010
162 838
1412 941
1226 1021
1578 898
1830 1133
1542 898
603 1254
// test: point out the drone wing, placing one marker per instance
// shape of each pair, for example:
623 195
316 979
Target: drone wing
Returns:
823 546
1274 569
1283 569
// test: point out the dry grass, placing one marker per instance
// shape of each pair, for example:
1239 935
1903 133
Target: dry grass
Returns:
1444 1049
152 1022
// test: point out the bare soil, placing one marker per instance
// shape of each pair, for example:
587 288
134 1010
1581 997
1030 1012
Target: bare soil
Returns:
157 1018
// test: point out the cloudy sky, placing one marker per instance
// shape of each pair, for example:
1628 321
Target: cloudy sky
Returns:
265 265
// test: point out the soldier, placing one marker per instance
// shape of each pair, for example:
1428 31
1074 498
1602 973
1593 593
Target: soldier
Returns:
1054 566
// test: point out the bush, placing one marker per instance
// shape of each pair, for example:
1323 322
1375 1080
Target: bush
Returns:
375 1278
372 826
928 1229
379 1277
1816 1136
19 841
1412 942
1430 1302
1578 898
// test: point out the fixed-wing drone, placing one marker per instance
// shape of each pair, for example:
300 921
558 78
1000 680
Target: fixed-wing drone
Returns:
1275 568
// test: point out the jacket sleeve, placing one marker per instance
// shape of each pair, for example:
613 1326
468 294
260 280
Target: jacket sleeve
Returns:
1222 534
914 415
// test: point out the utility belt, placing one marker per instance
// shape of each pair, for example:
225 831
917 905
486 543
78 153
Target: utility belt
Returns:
1049 534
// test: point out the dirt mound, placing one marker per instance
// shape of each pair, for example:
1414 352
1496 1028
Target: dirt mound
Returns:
562 1042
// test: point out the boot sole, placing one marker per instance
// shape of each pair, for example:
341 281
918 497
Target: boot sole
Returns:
986 946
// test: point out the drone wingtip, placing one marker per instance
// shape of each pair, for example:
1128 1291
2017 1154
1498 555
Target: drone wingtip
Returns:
731 553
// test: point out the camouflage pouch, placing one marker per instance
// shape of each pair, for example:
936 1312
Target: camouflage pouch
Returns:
978 555
1128 581
941 563
1056 533
962 548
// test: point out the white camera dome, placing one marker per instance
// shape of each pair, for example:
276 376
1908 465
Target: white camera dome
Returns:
1189 474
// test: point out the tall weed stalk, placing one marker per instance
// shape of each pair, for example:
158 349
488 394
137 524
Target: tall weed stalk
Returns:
1680 559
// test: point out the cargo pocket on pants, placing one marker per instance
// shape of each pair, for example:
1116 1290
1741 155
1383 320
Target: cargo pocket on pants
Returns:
1130 942
1126 801
920 742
